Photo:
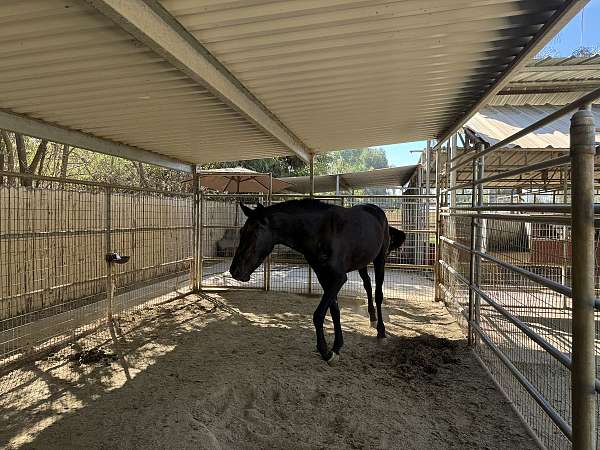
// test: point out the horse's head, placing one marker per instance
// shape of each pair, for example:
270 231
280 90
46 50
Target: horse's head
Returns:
256 242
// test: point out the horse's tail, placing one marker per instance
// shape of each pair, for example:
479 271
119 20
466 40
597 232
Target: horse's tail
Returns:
397 238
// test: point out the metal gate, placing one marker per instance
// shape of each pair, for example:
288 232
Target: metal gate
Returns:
508 273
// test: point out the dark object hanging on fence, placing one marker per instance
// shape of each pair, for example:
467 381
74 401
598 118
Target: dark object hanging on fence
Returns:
116 258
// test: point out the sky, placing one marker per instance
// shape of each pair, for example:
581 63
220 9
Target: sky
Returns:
582 30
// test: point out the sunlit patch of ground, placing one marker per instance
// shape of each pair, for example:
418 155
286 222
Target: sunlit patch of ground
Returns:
238 370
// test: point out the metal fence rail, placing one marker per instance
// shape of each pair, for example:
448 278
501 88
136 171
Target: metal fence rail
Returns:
507 273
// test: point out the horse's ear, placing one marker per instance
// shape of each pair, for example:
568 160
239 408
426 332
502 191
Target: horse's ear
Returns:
247 211
259 207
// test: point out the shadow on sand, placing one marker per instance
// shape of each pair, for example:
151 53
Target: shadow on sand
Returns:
238 370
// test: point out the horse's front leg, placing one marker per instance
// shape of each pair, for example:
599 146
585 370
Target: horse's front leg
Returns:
318 319
334 309
331 283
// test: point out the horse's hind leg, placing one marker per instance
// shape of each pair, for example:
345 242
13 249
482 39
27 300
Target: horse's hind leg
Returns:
379 266
364 274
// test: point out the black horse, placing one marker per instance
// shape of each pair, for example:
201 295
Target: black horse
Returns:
334 240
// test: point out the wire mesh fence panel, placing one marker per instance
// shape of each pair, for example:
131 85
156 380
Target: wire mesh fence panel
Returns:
222 220
507 269
155 230
409 270
53 273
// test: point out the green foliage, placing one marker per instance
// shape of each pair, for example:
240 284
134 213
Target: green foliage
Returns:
344 161
76 163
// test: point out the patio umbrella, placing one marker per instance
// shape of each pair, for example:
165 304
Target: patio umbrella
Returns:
237 180
240 180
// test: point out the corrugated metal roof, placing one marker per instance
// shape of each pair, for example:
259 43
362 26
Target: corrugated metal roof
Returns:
390 177
337 73
353 73
551 81
494 123
65 63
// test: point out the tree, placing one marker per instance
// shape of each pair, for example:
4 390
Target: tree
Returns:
64 161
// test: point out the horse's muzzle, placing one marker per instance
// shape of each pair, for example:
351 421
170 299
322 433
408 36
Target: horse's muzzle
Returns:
237 275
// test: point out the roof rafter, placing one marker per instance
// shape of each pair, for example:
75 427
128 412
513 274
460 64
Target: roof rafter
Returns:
44 130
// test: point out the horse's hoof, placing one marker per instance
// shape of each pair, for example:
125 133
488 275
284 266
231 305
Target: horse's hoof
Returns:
381 335
333 359
373 324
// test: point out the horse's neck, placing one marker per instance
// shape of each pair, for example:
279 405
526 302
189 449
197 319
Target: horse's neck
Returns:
291 229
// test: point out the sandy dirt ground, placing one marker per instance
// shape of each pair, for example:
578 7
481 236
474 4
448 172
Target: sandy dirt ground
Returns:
238 370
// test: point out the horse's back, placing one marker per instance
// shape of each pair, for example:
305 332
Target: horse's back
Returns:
373 210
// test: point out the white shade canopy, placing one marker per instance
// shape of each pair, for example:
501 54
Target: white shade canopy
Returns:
240 180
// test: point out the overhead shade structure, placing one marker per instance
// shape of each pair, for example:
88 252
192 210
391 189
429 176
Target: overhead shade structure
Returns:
495 123
551 81
240 180
390 177
179 82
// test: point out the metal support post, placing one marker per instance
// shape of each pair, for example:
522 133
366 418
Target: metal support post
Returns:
195 230
200 235
267 263
476 245
312 194
110 288
565 246
438 226
427 191
311 168
583 370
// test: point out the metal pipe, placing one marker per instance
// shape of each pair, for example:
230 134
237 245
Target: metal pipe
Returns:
108 249
551 349
436 271
542 218
312 194
452 175
565 246
474 260
540 207
555 162
553 285
539 398
480 236
195 227
325 197
311 175
268 260
585 100
510 401
201 234
584 364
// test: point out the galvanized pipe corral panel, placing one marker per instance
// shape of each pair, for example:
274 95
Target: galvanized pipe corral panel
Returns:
582 214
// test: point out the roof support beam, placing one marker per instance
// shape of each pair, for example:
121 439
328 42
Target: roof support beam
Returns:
42 130
152 25
560 19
